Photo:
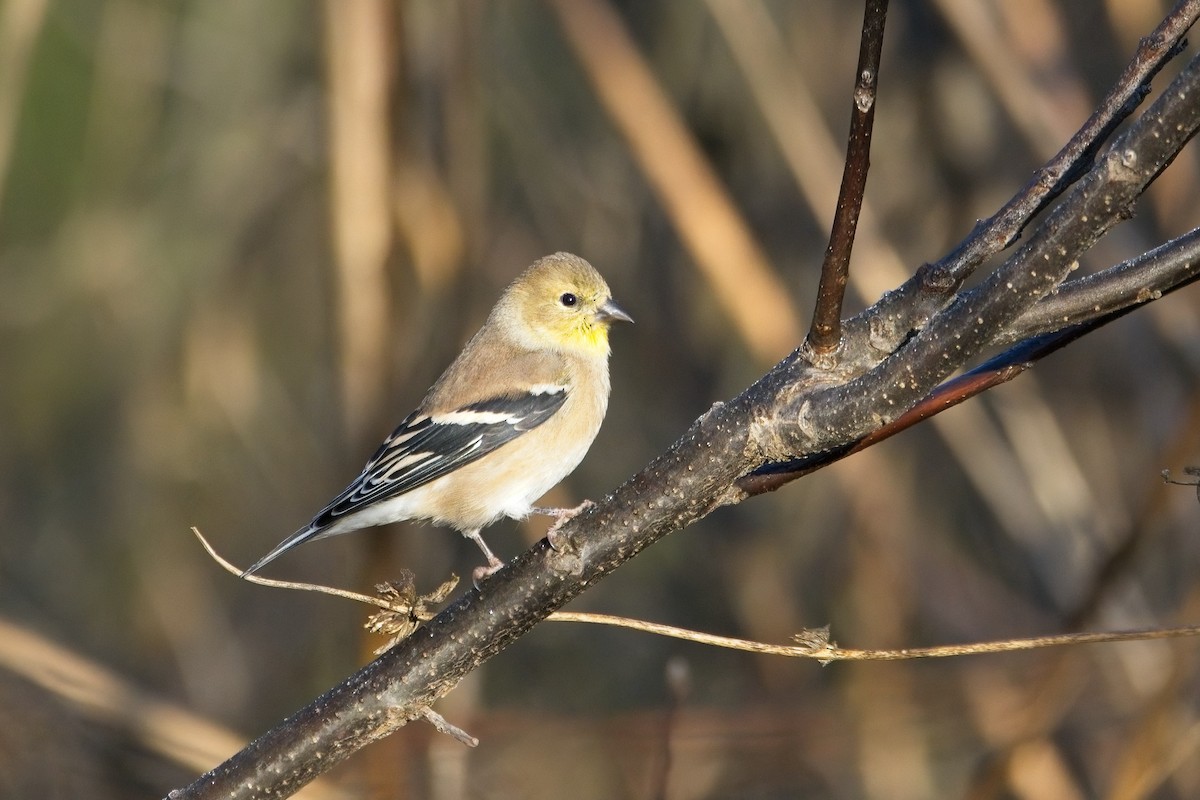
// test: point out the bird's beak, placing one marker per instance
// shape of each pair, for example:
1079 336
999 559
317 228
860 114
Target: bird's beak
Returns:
611 312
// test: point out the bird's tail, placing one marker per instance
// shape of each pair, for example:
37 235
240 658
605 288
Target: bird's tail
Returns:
301 536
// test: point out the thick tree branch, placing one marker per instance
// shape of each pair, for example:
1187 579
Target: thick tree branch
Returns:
1077 309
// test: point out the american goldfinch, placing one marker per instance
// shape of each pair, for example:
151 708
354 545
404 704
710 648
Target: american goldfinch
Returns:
512 416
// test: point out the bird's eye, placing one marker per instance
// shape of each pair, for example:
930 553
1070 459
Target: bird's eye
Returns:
568 299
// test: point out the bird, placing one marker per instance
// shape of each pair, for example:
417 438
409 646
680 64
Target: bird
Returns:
511 416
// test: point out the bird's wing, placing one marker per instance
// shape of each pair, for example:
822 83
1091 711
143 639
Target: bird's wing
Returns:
428 446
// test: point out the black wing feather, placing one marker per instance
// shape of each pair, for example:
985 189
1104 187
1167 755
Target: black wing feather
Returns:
421 450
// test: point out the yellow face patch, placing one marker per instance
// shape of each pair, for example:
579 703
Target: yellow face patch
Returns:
566 310
591 335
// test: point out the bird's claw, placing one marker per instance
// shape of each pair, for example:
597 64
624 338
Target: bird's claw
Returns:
565 515
482 573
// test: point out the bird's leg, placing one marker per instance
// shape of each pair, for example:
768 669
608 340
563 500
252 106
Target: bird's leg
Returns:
494 564
563 515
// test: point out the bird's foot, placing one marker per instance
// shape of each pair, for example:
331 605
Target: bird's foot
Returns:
494 564
564 515
482 573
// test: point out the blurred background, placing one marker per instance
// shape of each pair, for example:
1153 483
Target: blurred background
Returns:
239 240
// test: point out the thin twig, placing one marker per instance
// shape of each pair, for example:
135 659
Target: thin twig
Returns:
826 332
442 726
402 609
304 587
815 642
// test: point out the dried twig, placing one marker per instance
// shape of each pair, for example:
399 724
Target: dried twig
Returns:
442 726
401 608
815 642
304 587
811 643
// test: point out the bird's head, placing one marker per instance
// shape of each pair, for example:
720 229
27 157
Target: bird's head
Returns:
563 303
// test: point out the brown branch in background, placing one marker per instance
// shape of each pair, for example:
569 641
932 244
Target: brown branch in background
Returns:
1111 572
1044 101
20 24
96 693
706 219
679 685
356 37
807 145
826 332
